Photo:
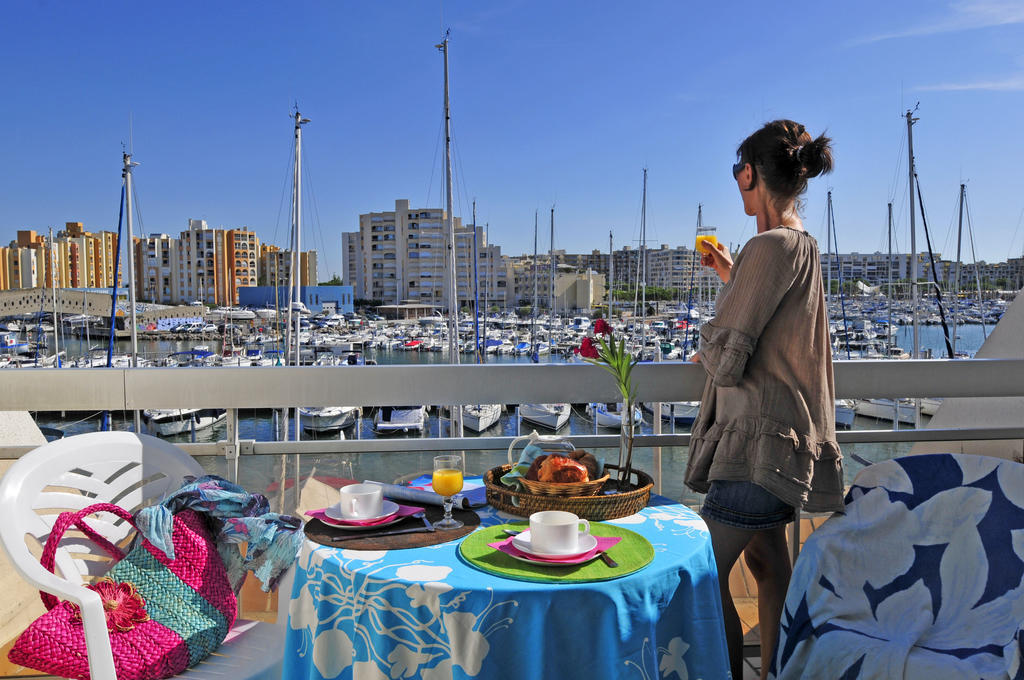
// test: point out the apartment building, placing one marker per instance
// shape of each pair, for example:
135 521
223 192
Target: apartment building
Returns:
156 277
243 261
401 255
275 266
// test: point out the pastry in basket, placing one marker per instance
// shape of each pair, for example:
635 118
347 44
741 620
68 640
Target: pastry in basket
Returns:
587 460
534 470
562 470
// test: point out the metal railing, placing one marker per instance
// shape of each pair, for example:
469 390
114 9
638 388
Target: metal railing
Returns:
113 389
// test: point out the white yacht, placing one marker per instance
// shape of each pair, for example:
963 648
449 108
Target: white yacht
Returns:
551 416
883 409
170 421
327 418
394 419
479 417
610 415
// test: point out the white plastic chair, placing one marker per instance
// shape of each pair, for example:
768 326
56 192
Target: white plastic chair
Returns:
130 470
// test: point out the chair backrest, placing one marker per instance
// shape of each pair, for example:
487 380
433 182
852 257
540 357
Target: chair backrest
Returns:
923 571
124 468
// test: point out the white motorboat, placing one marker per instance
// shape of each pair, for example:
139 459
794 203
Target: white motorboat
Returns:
479 417
610 415
682 412
883 409
551 416
327 418
171 421
394 419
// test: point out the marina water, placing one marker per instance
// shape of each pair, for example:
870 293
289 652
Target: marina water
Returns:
262 425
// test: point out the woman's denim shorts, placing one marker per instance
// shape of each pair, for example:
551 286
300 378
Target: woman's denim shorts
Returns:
745 505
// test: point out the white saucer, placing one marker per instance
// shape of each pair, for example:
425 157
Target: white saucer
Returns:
522 543
388 508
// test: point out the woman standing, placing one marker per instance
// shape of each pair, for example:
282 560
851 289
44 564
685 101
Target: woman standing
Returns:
765 440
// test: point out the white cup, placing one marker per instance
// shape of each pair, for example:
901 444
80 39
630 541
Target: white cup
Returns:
361 501
556 532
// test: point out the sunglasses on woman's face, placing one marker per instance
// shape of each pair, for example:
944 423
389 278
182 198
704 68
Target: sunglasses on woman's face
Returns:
737 168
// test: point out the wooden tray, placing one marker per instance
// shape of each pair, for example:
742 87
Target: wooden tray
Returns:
322 533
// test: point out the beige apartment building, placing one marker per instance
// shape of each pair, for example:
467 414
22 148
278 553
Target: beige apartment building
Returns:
275 266
401 255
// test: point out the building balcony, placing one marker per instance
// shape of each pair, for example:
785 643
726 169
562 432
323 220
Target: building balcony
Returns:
255 462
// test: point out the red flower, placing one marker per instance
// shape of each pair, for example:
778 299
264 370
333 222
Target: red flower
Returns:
123 605
588 349
602 327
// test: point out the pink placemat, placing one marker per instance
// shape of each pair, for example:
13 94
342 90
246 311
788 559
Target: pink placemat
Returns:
403 511
603 543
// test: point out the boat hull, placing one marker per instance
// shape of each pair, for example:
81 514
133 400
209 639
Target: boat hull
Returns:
170 422
328 418
551 416
479 417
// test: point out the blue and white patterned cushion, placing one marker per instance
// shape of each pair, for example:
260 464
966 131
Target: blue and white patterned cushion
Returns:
923 577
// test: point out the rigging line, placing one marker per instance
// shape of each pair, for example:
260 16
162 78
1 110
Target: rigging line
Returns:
316 211
433 163
1009 248
974 257
947 245
138 206
931 259
896 176
842 296
284 190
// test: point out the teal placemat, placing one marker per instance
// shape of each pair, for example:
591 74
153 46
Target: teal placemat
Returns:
633 552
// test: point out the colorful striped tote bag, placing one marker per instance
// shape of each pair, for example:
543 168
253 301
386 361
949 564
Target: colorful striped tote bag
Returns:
163 615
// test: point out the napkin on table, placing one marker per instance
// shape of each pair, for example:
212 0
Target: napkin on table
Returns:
473 494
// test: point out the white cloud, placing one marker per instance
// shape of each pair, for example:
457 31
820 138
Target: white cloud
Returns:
963 15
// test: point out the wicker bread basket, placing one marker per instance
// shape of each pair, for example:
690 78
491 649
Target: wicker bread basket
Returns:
593 507
588 488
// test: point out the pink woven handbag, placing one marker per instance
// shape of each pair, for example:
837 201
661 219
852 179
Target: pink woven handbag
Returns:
163 615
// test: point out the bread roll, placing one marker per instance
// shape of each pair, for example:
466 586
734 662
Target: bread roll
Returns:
561 470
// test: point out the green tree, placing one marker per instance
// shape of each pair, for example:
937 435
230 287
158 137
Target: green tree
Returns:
335 281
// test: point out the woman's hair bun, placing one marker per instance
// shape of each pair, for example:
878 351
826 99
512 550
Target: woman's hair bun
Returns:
815 156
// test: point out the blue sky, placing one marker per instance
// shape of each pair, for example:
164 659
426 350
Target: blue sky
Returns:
558 103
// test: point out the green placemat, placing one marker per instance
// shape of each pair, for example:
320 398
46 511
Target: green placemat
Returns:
633 552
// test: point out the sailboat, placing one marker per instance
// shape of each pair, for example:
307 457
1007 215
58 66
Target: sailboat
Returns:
552 416
313 418
478 417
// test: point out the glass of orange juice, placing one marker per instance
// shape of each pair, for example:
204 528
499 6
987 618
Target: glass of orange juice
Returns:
706 243
447 481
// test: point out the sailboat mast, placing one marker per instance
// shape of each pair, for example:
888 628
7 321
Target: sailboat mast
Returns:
956 270
913 235
476 295
296 274
130 245
533 311
828 241
551 263
453 288
889 266
643 268
611 277
53 286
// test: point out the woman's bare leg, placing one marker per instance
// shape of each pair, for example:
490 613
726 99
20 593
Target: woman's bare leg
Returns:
767 556
728 542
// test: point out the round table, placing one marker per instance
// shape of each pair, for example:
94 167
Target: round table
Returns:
425 613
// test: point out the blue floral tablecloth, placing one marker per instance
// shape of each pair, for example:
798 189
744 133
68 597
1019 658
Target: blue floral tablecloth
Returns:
424 613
